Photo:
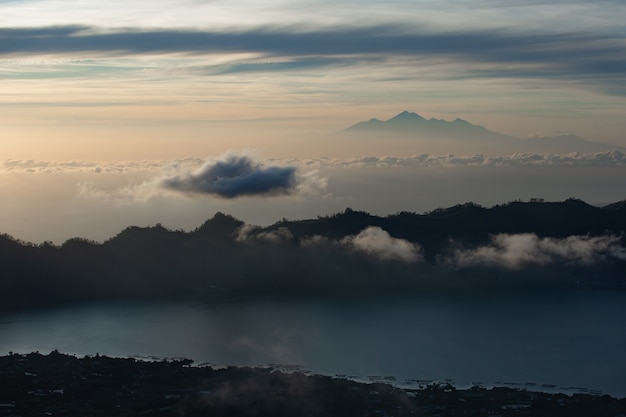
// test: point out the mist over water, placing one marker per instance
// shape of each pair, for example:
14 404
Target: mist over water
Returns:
571 341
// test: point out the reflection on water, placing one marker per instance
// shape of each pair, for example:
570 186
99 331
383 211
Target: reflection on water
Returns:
536 343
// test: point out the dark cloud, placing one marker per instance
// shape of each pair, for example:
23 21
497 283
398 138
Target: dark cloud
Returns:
235 176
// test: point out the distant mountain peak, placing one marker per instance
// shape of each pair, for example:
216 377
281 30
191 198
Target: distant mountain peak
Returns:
406 115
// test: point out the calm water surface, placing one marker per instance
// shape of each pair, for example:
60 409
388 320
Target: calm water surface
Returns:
571 342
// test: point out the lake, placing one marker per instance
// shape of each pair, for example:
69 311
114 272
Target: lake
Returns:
572 343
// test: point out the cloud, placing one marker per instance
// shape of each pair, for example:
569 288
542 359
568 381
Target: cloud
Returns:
377 242
235 176
515 251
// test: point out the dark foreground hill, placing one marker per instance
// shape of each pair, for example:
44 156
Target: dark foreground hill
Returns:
517 245
58 384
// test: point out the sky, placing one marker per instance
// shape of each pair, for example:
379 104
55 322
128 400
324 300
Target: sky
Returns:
118 113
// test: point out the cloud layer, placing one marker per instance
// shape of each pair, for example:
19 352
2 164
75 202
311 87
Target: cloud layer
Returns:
528 159
424 160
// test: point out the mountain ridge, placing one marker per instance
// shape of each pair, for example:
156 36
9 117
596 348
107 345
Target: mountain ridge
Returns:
564 245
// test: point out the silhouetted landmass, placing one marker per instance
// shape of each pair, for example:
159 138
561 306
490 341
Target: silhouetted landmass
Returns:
519 245
461 132
58 384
